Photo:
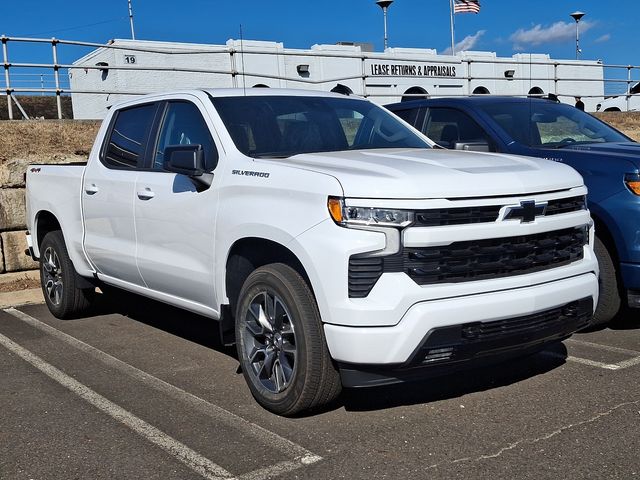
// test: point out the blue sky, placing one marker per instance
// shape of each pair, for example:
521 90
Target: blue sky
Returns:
503 26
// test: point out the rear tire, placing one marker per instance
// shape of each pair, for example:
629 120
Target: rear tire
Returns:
58 279
609 301
281 344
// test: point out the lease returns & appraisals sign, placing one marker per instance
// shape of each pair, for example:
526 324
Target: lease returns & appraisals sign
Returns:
411 70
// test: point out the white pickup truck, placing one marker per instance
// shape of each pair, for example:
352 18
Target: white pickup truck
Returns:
332 243
629 102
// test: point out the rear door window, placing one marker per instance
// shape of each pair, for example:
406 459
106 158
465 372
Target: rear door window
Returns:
126 145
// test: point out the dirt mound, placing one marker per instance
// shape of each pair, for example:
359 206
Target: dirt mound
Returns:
50 139
627 122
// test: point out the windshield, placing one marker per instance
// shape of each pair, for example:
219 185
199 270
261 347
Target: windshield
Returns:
282 126
547 124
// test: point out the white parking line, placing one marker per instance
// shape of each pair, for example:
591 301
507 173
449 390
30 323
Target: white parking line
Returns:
301 456
629 363
635 360
607 348
583 361
178 450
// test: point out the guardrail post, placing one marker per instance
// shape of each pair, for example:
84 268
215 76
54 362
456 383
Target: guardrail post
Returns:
469 61
555 79
364 76
5 58
629 67
56 74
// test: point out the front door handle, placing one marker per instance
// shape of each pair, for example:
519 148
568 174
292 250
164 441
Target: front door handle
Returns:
91 189
146 194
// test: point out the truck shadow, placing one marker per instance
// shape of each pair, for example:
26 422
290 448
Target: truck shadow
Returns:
627 319
190 326
456 385
204 331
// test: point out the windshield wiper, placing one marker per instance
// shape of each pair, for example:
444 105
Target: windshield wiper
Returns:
572 144
274 155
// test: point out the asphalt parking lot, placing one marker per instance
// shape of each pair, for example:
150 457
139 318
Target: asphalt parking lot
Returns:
146 391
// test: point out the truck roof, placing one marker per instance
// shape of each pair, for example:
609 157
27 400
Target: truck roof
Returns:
232 92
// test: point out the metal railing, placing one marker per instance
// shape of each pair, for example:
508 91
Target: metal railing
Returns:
53 78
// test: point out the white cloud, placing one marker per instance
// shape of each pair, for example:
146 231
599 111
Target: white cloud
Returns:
604 38
556 33
466 43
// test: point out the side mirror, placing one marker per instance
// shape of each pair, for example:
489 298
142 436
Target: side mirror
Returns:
472 146
185 159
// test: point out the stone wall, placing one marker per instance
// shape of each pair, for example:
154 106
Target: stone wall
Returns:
12 217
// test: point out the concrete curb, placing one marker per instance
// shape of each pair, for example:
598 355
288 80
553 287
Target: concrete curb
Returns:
28 275
21 297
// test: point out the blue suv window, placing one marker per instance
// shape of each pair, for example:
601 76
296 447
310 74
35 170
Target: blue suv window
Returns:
448 126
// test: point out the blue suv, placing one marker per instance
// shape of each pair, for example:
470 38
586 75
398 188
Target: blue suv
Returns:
608 160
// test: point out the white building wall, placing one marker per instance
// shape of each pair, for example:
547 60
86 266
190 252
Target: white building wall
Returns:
384 77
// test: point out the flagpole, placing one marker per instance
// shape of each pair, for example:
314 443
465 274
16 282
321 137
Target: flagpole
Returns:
453 42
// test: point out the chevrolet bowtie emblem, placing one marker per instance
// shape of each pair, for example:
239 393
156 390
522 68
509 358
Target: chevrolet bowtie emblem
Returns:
526 212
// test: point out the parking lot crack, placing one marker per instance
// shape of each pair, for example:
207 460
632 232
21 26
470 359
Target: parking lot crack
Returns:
533 441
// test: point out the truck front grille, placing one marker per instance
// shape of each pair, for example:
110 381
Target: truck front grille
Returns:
471 260
495 257
566 205
456 216
439 217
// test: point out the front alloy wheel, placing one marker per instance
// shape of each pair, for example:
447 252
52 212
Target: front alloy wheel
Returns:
270 341
280 342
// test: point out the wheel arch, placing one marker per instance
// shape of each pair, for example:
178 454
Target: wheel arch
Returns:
605 235
45 222
247 254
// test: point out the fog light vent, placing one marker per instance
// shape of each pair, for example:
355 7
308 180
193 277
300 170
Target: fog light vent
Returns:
438 355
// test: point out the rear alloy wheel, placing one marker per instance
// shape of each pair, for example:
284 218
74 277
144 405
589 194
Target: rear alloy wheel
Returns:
58 279
281 344
609 301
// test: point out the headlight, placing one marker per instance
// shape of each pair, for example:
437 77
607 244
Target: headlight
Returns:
367 216
632 181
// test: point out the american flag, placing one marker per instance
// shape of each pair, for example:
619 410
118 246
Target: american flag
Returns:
466 6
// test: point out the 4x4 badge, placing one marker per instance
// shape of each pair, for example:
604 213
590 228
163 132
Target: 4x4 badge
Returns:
526 212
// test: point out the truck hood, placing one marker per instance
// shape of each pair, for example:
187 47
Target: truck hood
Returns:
629 151
426 173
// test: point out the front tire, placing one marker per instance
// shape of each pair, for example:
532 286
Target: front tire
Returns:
58 279
281 344
609 301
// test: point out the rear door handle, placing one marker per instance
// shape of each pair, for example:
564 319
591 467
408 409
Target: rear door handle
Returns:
146 194
91 189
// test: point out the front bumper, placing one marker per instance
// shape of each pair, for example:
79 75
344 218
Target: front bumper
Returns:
447 349
395 346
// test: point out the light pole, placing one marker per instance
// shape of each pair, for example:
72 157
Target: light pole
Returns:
577 16
133 33
384 4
